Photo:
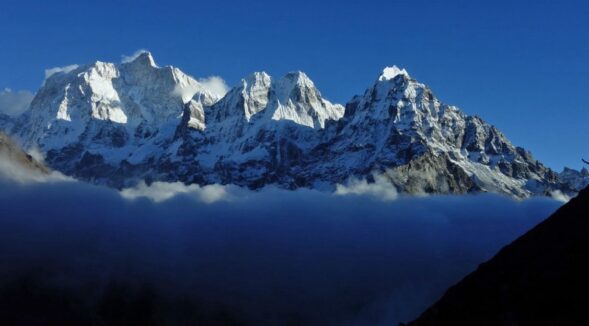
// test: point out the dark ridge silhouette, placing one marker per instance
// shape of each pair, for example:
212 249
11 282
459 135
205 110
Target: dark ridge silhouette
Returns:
542 278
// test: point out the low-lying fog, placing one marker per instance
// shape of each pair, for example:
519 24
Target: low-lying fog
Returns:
224 255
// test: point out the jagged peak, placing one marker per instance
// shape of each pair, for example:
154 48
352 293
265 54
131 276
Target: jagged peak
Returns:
388 81
297 78
582 172
285 86
389 73
141 57
102 69
292 97
258 78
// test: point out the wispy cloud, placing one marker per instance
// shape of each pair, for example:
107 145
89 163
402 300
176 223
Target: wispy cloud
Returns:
130 58
13 171
559 196
55 70
215 85
13 103
380 188
162 191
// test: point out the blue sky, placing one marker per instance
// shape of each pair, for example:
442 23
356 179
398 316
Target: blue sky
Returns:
521 65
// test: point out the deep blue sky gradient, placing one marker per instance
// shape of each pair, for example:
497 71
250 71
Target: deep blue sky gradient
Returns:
521 65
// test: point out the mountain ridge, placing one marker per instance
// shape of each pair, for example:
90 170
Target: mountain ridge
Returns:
118 124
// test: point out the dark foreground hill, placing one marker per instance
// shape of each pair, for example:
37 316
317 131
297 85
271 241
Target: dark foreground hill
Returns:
542 278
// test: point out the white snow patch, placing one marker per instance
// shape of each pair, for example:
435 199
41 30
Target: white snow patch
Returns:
392 72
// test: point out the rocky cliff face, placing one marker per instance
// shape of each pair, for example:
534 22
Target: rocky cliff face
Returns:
399 128
118 124
576 180
539 279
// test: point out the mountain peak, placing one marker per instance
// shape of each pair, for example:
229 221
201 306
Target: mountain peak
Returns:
299 78
143 58
257 78
389 73
296 80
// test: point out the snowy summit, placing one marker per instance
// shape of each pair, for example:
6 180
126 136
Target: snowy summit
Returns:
389 73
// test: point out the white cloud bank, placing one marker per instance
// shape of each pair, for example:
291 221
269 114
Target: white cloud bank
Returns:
380 188
340 260
14 167
162 191
10 170
252 249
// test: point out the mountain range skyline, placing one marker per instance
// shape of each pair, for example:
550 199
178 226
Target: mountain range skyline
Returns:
122 124
509 62
13 102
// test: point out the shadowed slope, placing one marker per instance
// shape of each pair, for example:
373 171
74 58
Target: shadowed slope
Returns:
540 279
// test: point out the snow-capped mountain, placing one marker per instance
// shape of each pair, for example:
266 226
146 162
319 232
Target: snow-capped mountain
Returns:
108 105
117 124
108 112
399 128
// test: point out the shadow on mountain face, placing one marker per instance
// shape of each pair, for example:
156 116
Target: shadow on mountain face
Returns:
542 278
73 254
